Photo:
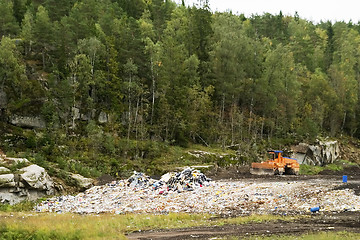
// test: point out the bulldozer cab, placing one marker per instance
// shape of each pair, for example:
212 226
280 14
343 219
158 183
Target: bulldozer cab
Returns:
273 154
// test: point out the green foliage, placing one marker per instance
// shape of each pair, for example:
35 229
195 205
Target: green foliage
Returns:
309 169
12 70
313 170
70 226
8 24
15 167
43 33
23 206
334 167
7 233
346 163
160 74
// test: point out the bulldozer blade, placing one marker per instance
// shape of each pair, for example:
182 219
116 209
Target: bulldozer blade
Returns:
261 171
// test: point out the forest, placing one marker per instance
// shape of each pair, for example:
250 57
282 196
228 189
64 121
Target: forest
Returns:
115 77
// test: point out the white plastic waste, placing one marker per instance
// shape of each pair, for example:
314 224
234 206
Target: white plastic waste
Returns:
190 191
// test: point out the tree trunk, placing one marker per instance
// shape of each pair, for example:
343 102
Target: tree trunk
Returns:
343 122
250 117
153 91
74 103
262 127
129 119
43 58
232 123
136 116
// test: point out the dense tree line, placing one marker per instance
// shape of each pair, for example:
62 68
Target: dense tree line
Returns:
167 72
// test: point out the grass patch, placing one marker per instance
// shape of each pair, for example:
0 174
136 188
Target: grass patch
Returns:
346 163
258 219
19 207
310 169
73 226
106 226
334 167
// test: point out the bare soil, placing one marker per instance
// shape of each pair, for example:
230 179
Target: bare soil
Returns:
320 221
346 221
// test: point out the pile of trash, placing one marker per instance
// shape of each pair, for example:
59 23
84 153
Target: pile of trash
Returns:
186 180
139 179
192 192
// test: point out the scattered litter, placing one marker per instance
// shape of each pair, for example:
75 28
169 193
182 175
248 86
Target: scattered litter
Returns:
314 209
345 179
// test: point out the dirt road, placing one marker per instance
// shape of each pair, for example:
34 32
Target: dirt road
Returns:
347 221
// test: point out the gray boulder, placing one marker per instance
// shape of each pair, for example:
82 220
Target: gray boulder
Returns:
321 153
27 121
37 178
27 183
103 117
4 170
83 182
7 180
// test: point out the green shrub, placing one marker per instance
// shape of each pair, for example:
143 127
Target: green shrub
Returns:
310 169
18 207
334 167
17 166
8 233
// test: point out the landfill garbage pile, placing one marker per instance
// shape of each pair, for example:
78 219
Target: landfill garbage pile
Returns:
139 179
141 194
186 180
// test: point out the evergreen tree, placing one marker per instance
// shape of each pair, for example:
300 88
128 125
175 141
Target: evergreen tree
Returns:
19 10
8 24
277 89
26 33
43 34
80 82
58 8
12 70
200 30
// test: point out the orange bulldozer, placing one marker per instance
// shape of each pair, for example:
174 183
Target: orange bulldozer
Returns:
277 165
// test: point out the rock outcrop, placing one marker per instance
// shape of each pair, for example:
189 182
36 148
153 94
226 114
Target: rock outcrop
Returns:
321 153
103 117
26 183
4 170
83 182
21 180
37 178
27 121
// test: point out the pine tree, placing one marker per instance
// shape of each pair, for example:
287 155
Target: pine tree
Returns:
43 33
8 24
